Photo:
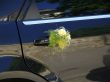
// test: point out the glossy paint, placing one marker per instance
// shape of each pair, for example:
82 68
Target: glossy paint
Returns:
66 9
66 19
54 59
37 31
8 33
69 63
9 40
10 45
8 7
11 63
11 58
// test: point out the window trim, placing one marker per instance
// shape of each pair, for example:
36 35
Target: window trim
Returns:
33 22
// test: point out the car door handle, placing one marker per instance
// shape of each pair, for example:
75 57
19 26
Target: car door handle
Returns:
42 42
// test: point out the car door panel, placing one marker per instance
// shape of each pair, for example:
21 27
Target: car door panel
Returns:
10 49
9 38
87 51
80 59
37 31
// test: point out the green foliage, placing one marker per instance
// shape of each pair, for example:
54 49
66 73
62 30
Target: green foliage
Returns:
55 40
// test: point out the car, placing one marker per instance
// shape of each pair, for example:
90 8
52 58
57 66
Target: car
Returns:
24 26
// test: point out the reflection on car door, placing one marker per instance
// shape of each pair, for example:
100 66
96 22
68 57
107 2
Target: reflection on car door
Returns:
76 59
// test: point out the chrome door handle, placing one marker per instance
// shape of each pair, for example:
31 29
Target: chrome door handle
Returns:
42 42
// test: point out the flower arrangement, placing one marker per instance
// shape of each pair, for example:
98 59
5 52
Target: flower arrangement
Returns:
59 38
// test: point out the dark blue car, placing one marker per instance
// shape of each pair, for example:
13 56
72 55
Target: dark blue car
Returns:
25 57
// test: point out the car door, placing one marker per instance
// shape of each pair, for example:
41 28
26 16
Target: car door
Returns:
12 63
11 60
89 27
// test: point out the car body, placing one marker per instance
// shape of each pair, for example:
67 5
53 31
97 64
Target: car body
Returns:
21 27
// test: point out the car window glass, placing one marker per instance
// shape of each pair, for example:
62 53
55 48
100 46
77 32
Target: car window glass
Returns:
71 8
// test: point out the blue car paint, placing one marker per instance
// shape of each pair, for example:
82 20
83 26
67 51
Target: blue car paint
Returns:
8 33
5 63
46 5
65 19
8 7
8 29
29 33
11 63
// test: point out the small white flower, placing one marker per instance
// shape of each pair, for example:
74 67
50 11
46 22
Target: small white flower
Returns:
61 39
69 37
62 31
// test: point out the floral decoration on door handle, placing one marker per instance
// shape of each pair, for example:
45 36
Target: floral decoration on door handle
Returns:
59 38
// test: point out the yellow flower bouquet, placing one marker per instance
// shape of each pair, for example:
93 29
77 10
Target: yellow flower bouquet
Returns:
59 38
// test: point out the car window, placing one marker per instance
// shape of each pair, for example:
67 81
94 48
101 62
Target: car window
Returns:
71 8
32 12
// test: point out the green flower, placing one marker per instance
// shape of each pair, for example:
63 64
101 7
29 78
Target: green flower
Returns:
59 38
